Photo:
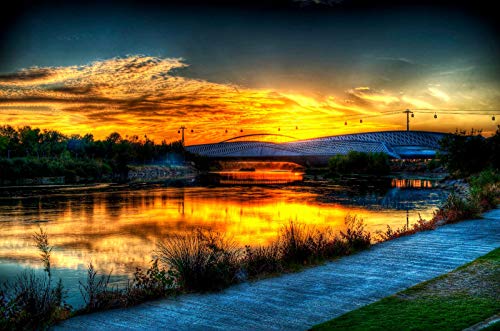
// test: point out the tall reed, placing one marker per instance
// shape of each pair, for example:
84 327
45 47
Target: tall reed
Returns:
202 261
31 301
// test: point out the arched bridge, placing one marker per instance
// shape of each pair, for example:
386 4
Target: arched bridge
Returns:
397 144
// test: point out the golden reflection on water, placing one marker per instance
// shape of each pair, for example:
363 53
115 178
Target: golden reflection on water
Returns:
411 183
119 230
258 177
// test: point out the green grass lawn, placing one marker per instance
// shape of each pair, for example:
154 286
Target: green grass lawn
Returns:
454 301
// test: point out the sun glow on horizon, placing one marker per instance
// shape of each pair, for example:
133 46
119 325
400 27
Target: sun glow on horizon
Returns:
141 95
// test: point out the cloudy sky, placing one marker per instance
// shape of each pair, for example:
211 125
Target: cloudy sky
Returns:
305 67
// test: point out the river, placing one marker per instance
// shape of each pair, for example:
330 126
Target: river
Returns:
118 230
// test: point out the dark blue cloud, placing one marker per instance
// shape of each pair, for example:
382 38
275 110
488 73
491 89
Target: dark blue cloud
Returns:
260 43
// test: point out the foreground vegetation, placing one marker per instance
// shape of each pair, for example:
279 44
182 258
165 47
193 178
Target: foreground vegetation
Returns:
206 261
454 301
198 262
33 301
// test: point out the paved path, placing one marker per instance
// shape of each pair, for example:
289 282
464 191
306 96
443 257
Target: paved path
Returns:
300 300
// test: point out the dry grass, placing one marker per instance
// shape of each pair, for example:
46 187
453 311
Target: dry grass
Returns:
32 301
205 261
201 261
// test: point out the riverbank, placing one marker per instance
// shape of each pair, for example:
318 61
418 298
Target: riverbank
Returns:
300 300
454 301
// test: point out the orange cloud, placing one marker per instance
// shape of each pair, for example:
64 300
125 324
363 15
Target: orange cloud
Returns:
139 95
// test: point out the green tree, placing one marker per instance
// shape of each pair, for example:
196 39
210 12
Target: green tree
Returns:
30 139
4 143
465 154
360 163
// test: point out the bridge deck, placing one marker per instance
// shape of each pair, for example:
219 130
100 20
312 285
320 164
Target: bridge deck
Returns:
397 144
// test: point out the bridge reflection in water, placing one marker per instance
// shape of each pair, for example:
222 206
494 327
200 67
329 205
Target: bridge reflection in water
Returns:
258 177
411 183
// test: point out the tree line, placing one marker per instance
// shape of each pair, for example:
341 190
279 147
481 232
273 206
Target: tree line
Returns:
27 152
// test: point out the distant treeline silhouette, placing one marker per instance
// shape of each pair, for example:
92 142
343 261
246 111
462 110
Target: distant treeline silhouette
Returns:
27 152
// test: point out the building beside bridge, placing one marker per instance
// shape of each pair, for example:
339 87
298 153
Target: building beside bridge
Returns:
397 144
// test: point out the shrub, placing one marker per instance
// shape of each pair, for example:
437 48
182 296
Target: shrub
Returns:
153 283
456 209
420 225
96 292
31 302
355 235
485 189
262 260
336 247
360 163
298 243
301 244
201 261
424 225
390 234
463 153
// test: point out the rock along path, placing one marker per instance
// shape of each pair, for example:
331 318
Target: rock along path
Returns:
299 300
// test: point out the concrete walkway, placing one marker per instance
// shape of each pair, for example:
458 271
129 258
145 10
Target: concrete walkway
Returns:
298 301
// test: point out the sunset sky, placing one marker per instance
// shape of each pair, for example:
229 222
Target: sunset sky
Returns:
145 68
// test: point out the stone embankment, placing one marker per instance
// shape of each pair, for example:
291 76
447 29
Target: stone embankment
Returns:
147 173
457 186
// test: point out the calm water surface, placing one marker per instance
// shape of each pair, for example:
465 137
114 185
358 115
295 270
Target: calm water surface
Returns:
118 231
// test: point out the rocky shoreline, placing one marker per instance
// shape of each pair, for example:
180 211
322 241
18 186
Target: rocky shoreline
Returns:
458 186
138 178
148 173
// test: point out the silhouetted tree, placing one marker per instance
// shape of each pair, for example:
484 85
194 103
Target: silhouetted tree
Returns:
467 153
28 152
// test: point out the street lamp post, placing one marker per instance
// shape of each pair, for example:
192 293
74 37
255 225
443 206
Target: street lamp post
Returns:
407 112
182 128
